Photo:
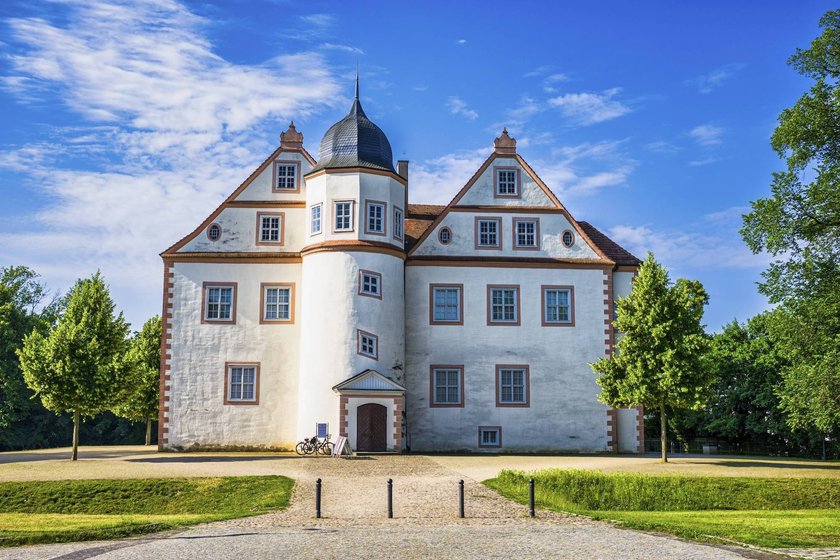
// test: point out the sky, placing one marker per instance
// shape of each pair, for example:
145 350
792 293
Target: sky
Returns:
124 124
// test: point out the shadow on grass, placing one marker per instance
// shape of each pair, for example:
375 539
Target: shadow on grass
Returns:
771 464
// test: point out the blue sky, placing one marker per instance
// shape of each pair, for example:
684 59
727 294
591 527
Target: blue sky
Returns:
126 123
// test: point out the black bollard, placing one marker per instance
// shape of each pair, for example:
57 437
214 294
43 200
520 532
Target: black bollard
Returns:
390 499
532 511
461 499
318 499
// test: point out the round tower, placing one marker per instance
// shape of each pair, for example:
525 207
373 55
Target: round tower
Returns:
353 300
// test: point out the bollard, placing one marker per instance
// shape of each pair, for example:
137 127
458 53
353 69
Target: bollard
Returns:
390 499
318 499
531 498
461 499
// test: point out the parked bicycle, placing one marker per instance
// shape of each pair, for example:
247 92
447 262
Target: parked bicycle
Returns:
315 446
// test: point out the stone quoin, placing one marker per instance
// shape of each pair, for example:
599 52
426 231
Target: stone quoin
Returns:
316 295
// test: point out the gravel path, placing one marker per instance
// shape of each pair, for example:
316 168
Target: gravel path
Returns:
354 524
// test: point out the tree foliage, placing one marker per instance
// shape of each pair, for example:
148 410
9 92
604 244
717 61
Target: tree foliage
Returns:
139 399
79 365
657 362
799 225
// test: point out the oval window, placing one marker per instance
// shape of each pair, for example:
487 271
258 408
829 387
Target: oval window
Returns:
214 232
568 238
445 236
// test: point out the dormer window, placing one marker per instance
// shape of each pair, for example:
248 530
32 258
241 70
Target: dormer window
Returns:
507 181
286 176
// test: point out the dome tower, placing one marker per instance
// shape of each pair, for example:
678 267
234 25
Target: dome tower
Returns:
353 301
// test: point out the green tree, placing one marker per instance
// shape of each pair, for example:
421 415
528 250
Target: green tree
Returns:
799 225
79 366
657 360
139 401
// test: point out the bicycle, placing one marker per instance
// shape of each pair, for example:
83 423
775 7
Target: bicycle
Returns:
314 446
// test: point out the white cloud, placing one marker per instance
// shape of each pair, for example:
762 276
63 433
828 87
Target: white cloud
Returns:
184 128
706 83
538 71
590 108
707 134
458 107
662 147
438 180
703 162
343 48
461 42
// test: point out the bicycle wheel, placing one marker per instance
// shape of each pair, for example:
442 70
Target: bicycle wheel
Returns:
309 449
327 448
300 448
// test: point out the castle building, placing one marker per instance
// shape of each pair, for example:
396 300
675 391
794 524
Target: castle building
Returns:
316 299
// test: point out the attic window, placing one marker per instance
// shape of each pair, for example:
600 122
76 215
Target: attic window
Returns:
568 238
445 236
214 232
286 176
507 181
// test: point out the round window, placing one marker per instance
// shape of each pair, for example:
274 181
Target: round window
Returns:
445 235
214 232
568 238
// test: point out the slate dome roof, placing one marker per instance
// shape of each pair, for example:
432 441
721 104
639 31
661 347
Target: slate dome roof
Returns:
355 141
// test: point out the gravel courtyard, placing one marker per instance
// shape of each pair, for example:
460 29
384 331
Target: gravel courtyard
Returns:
354 523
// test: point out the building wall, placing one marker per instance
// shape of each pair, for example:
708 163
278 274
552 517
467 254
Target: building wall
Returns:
564 413
483 189
198 417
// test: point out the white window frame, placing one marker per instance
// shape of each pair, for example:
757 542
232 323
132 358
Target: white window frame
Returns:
219 303
480 241
497 439
450 373
458 290
315 224
368 344
365 284
507 177
398 223
517 379
343 210
379 222
497 311
237 384
279 306
519 236
552 309
286 178
269 231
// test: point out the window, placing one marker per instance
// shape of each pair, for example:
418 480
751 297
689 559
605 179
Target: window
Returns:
344 215
502 305
568 238
315 219
445 236
286 175
214 232
269 228
375 221
370 284
368 344
242 383
398 223
446 304
526 233
219 302
558 306
507 181
489 436
446 386
488 233
322 430
277 302
512 386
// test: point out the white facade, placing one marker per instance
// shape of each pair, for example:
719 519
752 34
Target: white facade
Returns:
273 326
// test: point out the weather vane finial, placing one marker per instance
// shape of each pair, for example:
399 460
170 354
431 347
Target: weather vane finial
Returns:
357 79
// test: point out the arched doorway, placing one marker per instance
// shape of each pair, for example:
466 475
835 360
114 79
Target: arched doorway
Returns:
371 423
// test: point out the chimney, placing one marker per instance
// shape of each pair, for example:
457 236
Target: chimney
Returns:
291 139
504 144
402 168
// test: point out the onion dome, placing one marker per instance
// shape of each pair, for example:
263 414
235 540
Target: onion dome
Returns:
355 141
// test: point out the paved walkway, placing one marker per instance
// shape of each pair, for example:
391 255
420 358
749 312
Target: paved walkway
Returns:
355 525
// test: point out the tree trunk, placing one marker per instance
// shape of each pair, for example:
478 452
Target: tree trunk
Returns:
148 432
76 421
664 434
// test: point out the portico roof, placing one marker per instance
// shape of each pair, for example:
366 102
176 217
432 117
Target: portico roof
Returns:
369 381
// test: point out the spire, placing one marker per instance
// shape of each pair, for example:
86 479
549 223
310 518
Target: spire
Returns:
356 109
357 81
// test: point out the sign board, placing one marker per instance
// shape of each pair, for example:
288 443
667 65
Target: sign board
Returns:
342 448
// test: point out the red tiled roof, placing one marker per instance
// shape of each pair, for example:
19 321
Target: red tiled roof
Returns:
613 250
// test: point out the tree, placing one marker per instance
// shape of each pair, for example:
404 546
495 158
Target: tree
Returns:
799 225
657 360
139 401
79 366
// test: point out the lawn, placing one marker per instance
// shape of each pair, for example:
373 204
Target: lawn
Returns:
766 512
74 510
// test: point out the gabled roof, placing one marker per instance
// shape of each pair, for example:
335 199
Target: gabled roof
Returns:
613 250
369 381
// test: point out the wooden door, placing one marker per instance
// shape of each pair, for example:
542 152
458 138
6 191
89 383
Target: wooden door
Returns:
371 422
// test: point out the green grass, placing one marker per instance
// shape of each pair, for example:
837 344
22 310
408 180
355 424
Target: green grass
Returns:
768 512
72 510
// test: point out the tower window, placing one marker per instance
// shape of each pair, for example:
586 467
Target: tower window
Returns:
343 215
370 284
375 218
367 344
398 223
315 220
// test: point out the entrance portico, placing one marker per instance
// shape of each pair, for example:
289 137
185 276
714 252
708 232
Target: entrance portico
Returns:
371 412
